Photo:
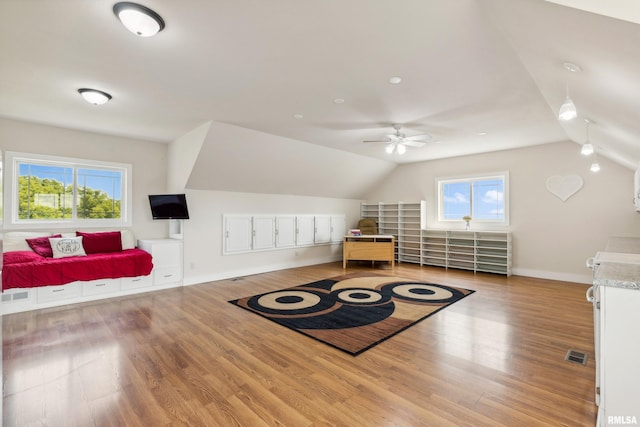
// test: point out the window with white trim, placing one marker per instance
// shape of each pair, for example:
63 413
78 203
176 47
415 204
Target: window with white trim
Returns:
483 198
66 192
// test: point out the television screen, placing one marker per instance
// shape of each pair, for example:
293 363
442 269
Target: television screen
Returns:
168 206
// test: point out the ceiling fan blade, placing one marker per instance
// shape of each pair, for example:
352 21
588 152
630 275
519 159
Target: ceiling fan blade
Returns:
386 141
420 137
411 143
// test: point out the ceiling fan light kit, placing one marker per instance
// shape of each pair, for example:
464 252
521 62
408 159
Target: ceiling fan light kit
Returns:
398 142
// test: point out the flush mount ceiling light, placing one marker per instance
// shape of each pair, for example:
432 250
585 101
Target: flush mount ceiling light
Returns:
568 109
587 147
138 19
395 80
94 96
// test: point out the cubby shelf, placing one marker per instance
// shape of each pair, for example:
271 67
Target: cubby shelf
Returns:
478 251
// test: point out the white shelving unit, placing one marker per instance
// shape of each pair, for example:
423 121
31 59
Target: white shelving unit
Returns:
477 251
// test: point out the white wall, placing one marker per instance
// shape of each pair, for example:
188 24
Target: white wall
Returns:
148 159
182 156
243 160
203 233
551 238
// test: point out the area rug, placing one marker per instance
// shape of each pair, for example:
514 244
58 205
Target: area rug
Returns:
353 312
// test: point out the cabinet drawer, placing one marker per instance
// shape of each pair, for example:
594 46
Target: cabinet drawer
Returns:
135 282
55 293
165 275
102 286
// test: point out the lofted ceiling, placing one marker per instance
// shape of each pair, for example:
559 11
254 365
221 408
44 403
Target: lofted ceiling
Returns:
477 75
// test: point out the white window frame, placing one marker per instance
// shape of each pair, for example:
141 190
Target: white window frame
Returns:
504 175
11 220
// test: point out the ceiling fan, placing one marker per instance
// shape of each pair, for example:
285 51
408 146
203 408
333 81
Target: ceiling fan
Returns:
398 142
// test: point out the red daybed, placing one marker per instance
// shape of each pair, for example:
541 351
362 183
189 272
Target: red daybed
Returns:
26 269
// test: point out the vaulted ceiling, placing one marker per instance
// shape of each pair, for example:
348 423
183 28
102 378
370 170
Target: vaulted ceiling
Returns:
477 75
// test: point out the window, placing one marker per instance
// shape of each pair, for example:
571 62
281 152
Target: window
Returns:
483 198
67 192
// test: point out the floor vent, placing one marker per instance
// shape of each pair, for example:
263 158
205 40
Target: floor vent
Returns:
235 279
576 357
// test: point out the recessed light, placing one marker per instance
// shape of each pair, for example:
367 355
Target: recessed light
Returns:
298 116
482 133
338 101
395 80
94 96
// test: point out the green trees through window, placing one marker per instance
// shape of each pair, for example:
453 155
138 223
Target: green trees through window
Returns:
46 192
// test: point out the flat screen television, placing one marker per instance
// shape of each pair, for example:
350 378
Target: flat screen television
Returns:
168 206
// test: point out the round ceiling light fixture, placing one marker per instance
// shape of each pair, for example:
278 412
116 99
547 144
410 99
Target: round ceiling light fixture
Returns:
138 19
94 96
395 80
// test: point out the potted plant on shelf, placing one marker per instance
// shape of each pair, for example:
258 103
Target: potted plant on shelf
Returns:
467 218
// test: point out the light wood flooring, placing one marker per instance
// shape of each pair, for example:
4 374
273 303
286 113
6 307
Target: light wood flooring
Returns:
186 356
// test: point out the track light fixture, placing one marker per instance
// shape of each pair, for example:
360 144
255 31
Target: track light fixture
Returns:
138 19
568 109
94 96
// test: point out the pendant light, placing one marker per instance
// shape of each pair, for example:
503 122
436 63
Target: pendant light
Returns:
587 147
138 19
568 109
595 166
94 96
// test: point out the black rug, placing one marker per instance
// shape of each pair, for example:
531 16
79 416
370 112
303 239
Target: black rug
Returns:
353 312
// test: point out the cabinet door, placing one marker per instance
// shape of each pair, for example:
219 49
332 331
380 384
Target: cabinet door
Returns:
338 228
322 233
304 230
285 231
263 232
237 234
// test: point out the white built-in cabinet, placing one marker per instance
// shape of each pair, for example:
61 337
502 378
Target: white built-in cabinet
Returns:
264 233
248 233
285 231
478 251
305 230
167 260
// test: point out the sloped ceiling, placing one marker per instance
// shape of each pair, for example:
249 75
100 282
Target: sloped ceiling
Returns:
477 75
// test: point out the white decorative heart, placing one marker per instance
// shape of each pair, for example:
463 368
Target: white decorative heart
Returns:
564 186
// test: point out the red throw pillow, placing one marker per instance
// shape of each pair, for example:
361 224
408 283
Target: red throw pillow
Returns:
100 243
41 245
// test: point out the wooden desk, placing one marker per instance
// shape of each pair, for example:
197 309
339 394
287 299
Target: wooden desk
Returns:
373 247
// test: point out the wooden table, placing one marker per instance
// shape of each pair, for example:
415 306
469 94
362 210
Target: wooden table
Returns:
372 247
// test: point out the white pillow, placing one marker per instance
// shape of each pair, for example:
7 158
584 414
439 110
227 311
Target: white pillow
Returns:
67 246
128 239
16 240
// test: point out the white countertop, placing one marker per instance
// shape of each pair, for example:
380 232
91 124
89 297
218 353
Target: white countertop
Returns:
619 265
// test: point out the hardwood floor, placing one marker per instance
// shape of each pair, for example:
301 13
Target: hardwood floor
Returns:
186 356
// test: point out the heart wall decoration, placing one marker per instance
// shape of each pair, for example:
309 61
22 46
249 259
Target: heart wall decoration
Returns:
564 187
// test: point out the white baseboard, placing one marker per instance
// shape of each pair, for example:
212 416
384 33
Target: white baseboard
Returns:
553 275
196 280
539 274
